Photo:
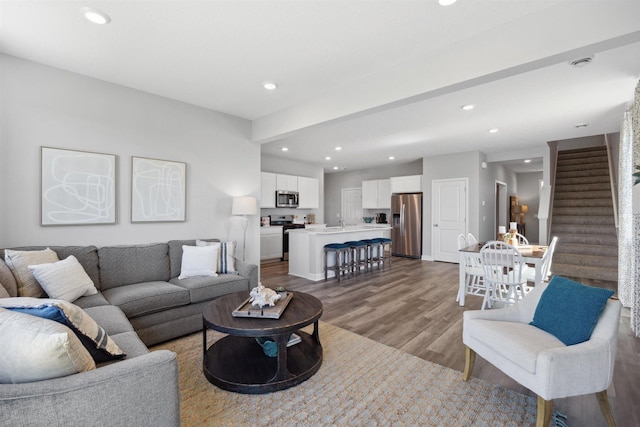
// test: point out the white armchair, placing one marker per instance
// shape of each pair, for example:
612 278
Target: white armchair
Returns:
539 360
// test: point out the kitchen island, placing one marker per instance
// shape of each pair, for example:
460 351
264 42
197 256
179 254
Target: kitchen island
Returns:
306 246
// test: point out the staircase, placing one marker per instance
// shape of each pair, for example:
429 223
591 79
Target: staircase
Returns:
583 217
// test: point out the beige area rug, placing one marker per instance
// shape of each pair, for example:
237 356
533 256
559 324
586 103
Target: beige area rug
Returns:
361 382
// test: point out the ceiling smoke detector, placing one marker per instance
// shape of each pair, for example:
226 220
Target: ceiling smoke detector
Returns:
582 62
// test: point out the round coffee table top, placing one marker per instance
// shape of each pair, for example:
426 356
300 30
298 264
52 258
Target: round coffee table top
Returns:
303 310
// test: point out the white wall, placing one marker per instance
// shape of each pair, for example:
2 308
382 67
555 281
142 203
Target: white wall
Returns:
43 106
529 194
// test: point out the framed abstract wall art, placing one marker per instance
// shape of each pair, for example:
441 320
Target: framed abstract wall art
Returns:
77 187
158 190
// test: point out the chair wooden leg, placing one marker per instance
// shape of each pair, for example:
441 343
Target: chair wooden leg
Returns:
603 401
545 409
470 360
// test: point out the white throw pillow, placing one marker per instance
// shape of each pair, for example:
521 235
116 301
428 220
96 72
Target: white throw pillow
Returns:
198 261
36 349
226 256
65 280
19 262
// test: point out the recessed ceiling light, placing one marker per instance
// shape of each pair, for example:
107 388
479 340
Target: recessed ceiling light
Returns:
494 130
582 62
270 85
96 16
446 2
327 158
335 168
582 125
468 107
285 149
338 148
391 158
527 161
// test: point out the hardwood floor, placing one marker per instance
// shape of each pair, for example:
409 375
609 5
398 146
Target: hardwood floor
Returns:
411 306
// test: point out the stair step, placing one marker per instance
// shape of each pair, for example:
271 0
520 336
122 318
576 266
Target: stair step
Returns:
564 162
594 172
581 167
584 239
586 260
583 218
603 202
563 195
584 249
586 151
580 188
591 179
600 230
595 273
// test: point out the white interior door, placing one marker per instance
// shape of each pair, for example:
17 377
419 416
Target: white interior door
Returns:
449 215
351 206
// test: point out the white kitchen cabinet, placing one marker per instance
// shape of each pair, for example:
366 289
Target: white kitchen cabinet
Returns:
376 194
267 190
309 193
270 242
406 184
286 182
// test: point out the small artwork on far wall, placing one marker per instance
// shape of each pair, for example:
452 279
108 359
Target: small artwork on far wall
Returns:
77 187
158 190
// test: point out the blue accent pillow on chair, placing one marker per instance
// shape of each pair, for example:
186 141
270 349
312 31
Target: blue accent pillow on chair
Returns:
570 310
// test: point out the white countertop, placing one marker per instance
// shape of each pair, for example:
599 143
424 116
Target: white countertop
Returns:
338 230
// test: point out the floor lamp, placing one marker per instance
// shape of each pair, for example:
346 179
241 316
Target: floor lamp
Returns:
245 205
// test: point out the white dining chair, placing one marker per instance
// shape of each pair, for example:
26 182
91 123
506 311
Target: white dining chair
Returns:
502 265
545 270
474 273
472 239
521 239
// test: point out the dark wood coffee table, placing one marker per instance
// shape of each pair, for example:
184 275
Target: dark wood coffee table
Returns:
237 362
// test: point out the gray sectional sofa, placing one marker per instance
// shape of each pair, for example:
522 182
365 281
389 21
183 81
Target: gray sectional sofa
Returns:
140 302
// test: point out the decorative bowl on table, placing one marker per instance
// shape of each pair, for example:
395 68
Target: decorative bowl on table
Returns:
368 219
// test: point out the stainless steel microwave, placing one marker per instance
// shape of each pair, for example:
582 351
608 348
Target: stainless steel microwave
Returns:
286 199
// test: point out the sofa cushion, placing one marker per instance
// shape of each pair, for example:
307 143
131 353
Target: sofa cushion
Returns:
126 265
570 310
36 349
87 256
111 319
131 343
198 261
91 301
525 341
19 262
7 280
208 288
175 253
92 336
64 279
149 297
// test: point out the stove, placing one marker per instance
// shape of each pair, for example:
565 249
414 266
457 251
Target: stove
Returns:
286 221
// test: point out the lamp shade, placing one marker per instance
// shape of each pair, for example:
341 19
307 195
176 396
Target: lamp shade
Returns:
245 205
525 208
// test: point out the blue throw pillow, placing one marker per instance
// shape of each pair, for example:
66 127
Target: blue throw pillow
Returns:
570 310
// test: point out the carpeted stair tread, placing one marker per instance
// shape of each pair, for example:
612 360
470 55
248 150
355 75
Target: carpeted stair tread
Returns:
595 171
580 167
564 162
595 202
587 239
585 229
590 272
597 179
592 211
583 195
585 249
583 219
598 186
586 260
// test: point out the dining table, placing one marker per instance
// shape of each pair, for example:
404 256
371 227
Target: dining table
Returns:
531 254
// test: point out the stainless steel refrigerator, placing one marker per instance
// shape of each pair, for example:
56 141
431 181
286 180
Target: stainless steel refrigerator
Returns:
406 219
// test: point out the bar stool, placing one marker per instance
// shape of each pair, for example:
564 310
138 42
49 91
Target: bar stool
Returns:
340 252
359 257
373 252
385 249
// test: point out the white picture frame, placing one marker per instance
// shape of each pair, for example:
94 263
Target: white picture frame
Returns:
77 187
158 190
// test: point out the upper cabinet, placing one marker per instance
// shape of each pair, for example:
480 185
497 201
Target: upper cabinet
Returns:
286 182
376 194
406 184
267 190
308 193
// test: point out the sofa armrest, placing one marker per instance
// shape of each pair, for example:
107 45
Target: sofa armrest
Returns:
250 271
507 314
128 392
